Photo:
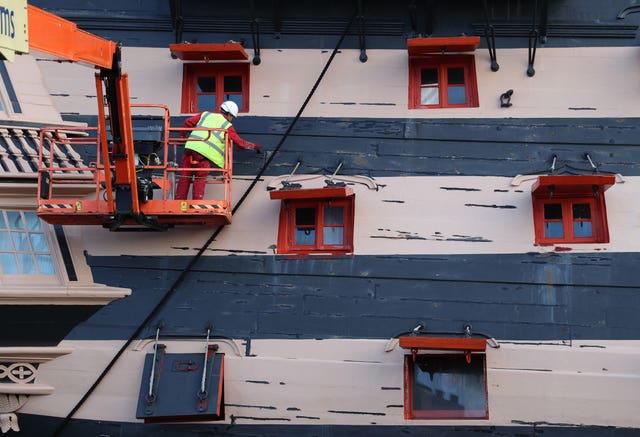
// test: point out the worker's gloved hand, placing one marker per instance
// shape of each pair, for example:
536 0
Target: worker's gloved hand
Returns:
257 147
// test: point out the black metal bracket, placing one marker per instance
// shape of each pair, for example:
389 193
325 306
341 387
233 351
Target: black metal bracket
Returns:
255 35
505 99
537 32
533 40
361 32
277 18
490 35
544 21
177 21
429 18
413 17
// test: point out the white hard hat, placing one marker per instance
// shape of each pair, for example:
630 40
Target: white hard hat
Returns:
230 107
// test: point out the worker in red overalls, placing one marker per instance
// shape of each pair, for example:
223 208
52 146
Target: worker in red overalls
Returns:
206 147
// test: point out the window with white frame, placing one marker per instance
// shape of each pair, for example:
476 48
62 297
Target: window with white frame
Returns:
25 250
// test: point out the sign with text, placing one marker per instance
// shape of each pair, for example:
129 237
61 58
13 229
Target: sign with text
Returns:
14 35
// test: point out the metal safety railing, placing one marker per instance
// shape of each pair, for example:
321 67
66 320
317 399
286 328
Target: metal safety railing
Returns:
157 150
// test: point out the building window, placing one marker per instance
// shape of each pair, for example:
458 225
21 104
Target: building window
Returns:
315 220
569 219
24 250
206 86
439 386
570 209
442 81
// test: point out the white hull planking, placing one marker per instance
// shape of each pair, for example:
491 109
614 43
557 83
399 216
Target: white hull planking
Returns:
580 383
440 221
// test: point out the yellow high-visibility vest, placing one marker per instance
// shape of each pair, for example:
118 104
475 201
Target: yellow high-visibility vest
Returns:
209 144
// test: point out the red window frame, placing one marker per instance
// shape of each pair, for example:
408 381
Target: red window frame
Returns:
192 71
318 199
442 63
412 413
567 191
465 351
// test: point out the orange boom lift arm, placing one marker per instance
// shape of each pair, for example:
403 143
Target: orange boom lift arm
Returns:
54 35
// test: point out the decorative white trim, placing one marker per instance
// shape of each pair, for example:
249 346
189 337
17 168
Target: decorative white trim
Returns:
19 369
89 294
32 354
9 422
26 389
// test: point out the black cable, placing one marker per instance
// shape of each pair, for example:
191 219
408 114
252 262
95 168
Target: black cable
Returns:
169 293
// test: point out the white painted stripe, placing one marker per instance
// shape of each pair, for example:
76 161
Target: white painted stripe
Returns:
588 382
407 215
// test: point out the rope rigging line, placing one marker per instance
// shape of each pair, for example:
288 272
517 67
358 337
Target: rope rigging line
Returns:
169 293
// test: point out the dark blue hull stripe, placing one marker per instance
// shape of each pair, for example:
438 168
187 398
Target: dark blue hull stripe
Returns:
557 296
42 426
426 147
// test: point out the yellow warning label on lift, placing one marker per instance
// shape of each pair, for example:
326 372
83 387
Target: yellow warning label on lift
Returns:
57 206
204 206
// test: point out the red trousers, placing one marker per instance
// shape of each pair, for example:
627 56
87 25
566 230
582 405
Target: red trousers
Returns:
192 159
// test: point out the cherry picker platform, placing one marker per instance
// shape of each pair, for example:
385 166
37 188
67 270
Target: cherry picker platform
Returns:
132 179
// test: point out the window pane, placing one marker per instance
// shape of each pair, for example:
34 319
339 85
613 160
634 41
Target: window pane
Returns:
33 222
333 215
305 236
582 220
333 235
15 220
582 229
305 226
457 95
5 242
207 102
45 264
235 98
9 265
21 242
39 243
429 96
206 84
443 385
27 263
553 230
455 76
429 76
233 84
553 211
305 216
581 211
23 246
3 223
